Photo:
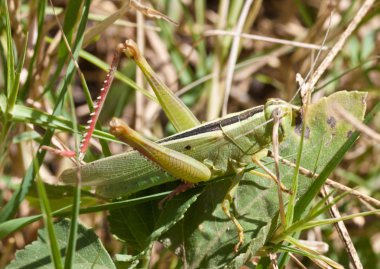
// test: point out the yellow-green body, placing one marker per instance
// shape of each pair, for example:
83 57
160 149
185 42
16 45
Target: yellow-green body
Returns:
220 146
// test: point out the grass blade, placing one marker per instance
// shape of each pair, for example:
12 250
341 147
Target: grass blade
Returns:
48 220
10 55
40 35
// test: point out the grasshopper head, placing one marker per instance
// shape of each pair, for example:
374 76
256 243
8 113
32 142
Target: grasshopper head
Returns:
285 111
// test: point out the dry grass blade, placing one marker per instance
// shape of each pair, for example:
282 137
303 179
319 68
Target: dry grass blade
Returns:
343 233
103 25
297 261
374 202
338 45
150 12
266 39
233 54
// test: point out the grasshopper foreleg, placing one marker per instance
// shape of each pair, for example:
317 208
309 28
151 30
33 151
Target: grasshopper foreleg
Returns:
256 160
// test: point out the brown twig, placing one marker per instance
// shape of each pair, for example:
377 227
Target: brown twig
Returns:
342 231
339 45
370 200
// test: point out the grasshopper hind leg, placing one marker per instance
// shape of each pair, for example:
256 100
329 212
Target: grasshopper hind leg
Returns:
181 188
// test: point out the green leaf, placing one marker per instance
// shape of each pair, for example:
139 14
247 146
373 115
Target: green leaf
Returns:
334 134
72 240
139 232
203 236
10 53
90 252
133 225
206 236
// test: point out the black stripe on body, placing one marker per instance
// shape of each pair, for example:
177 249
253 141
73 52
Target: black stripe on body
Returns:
216 125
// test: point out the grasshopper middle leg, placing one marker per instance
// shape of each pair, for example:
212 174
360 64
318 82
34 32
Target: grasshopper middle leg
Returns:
226 205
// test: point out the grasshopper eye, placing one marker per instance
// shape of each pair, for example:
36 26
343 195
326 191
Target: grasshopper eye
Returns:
274 104
285 111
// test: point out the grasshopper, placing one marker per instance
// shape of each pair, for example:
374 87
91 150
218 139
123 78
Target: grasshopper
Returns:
197 153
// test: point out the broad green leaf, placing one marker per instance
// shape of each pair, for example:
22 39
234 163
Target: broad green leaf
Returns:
90 252
133 225
205 237
256 199
151 225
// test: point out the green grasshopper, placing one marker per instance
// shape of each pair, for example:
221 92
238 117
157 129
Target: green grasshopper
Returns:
199 152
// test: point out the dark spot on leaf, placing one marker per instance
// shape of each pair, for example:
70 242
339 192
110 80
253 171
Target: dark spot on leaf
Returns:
349 133
298 124
298 119
298 127
188 147
331 121
307 132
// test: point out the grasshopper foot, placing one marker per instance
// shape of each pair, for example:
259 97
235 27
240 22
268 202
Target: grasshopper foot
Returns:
181 188
241 241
